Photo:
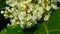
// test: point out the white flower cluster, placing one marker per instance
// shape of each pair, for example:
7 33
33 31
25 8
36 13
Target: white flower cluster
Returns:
28 12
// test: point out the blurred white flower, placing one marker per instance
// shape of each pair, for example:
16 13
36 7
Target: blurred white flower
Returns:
27 13
46 18
48 8
54 6
22 15
2 12
29 24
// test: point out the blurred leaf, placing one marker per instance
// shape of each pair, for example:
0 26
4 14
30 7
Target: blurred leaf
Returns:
12 30
50 27
2 3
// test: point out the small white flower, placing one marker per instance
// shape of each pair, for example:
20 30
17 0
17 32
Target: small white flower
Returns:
29 10
28 24
17 22
34 17
54 6
22 24
7 8
46 18
5 15
12 21
11 16
39 2
12 9
28 18
22 15
48 8
2 12
8 24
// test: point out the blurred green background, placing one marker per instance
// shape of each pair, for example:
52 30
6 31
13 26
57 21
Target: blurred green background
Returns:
2 4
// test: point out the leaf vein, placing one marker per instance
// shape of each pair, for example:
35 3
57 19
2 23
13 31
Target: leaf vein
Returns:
46 28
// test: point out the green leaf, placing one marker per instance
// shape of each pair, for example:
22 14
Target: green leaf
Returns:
12 30
2 3
50 27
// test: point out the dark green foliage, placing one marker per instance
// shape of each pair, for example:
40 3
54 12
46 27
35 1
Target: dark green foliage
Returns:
2 3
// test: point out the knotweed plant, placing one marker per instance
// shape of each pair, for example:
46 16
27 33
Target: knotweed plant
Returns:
28 12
